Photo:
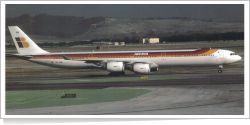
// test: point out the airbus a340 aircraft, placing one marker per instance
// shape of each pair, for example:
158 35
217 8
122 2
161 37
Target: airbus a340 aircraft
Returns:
116 62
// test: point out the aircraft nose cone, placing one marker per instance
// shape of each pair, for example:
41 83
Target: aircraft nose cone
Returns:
238 58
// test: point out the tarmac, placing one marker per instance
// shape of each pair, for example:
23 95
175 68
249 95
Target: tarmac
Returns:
205 93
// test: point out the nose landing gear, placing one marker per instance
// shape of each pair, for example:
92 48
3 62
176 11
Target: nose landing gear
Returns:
219 70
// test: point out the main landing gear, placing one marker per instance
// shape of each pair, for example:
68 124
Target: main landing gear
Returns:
117 73
220 69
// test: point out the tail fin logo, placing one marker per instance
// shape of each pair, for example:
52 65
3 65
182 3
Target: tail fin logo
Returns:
21 42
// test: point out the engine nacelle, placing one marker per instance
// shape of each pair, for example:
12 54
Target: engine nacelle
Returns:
153 69
140 68
115 66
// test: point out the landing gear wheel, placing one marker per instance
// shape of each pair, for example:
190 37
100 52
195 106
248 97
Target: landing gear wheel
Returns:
111 73
219 71
123 73
220 67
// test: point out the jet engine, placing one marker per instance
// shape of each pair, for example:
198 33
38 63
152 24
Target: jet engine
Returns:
114 66
140 68
154 69
143 68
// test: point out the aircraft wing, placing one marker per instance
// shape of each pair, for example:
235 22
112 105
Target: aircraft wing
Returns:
128 63
100 62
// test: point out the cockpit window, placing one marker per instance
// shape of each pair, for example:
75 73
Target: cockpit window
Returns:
232 53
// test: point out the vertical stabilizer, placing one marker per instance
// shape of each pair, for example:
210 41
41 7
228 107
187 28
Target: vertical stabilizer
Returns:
23 43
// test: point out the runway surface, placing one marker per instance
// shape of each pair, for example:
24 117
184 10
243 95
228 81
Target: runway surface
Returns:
180 79
205 93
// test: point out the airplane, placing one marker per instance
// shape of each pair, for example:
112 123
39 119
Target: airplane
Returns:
141 62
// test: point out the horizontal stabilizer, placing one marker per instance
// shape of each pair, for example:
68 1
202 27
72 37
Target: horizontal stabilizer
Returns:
18 56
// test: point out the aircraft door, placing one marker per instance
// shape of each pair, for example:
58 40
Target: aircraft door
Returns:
221 55
90 56
49 60
47 57
163 56
131 56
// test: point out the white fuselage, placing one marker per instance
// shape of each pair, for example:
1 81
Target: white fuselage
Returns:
218 57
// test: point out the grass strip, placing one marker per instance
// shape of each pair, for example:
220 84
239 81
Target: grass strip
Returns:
51 98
